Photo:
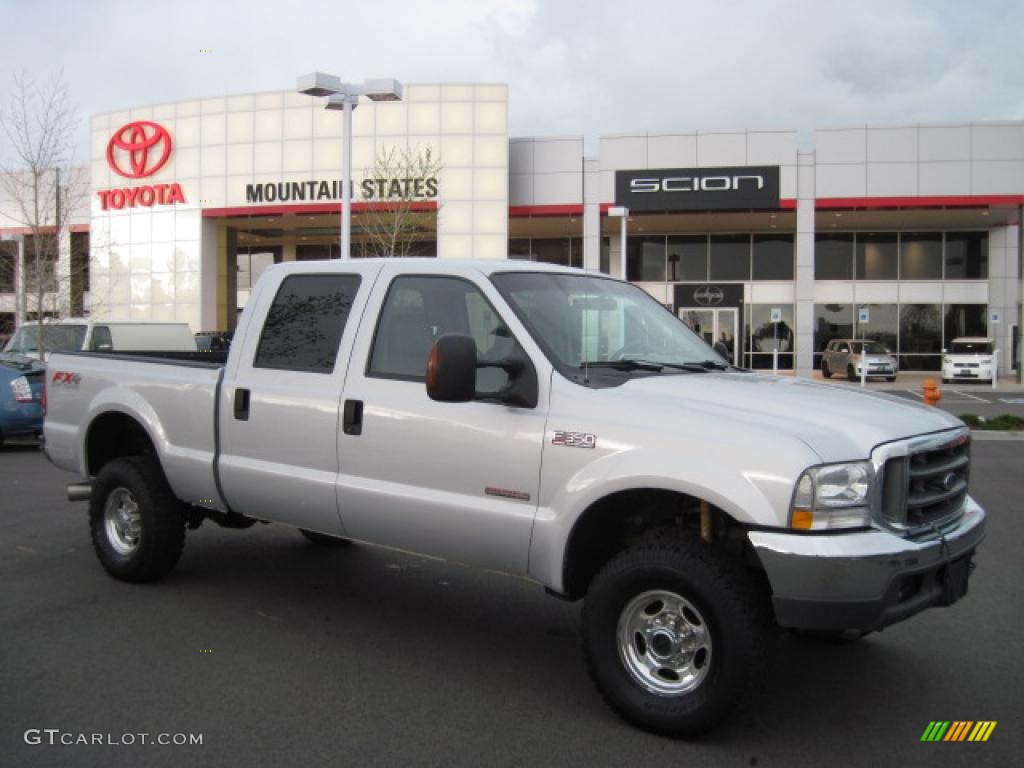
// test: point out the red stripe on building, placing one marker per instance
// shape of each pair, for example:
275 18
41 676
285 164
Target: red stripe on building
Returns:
935 201
523 211
420 206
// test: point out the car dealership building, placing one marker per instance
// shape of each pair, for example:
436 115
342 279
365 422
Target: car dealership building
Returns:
909 234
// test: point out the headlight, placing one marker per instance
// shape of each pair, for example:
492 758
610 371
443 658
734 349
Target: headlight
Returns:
832 496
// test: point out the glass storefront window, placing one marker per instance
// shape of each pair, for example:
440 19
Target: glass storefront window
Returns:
251 262
645 259
773 257
606 255
920 337
688 259
921 256
551 251
876 256
765 336
883 325
730 257
965 320
831 321
966 255
833 257
519 248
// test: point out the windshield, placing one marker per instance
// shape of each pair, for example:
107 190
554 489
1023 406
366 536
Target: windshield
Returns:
971 348
874 348
55 338
582 320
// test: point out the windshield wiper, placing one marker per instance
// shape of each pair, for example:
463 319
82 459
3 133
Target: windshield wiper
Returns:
622 365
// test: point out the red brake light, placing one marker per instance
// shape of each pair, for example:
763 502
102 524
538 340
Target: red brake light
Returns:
42 397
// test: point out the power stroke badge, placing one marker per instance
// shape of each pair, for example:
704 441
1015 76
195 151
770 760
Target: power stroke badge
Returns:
574 439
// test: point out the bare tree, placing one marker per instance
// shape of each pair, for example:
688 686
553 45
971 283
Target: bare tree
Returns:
40 190
400 180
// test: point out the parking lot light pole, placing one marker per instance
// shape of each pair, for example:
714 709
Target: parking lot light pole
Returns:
623 213
345 98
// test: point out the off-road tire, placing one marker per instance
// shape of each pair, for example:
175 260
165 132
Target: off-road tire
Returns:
323 540
734 606
160 520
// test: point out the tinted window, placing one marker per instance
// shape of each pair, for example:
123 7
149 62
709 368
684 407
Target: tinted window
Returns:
101 338
645 259
965 320
305 323
833 257
419 310
921 257
730 257
966 255
688 259
876 257
773 257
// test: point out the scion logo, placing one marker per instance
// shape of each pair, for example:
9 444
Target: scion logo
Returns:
698 189
708 296
143 144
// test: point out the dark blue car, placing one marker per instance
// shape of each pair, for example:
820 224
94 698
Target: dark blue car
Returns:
21 392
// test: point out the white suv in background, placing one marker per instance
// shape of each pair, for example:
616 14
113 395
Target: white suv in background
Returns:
843 356
968 358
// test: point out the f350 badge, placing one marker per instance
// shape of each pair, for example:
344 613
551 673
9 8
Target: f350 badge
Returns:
574 439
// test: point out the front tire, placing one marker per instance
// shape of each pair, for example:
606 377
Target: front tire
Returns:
676 636
137 525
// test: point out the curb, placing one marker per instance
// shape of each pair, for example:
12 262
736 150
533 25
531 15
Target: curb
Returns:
990 434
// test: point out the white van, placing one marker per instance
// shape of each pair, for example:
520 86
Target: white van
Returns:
969 358
72 334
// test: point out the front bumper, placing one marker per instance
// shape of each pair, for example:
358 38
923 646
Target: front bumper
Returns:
866 580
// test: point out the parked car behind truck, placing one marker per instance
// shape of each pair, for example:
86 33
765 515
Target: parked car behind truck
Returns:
21 392
545 422
71 334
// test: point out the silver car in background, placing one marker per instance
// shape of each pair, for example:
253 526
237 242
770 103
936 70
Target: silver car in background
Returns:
844 356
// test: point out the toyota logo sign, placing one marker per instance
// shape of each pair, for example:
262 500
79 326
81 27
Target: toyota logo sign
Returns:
708 295
143 144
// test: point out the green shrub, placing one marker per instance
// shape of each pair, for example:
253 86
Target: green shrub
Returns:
1001 423
972 420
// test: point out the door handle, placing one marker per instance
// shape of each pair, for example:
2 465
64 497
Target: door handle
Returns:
242 404
352 417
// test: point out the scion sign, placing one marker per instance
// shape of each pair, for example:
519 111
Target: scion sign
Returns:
698 189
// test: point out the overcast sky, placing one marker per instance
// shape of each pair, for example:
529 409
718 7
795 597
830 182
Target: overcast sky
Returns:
573 67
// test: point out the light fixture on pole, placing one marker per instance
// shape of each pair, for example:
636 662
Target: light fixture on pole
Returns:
345 97
622 212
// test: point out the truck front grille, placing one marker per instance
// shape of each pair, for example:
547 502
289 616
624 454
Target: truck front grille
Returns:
926 489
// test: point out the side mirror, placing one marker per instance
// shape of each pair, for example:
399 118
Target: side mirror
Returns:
451 369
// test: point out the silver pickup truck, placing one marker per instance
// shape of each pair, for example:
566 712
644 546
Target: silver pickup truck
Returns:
545 422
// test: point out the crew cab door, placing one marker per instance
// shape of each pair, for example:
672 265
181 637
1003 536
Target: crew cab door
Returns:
280 397
456 480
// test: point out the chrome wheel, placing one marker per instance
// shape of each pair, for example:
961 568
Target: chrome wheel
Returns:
122 521
664 643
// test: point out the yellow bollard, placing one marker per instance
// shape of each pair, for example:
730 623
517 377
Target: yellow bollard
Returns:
931 392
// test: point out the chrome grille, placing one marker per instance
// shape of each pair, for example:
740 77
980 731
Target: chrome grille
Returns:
926 489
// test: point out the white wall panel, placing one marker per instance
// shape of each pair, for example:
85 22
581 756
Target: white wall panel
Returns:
921 292
892 145
558 156
944 142
847 145
997 142
891 179
558 189
714 149
677 150
997 178
772 147
952 178
840 180
623 152
966 293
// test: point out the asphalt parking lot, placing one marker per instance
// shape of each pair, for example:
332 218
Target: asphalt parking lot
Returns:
281 653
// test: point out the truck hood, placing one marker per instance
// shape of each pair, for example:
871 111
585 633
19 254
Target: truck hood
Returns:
837 423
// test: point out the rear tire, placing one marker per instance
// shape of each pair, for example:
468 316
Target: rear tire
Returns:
676 635
323 540
137 525
825 372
